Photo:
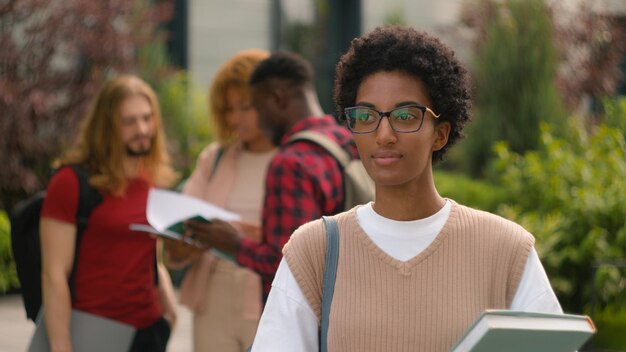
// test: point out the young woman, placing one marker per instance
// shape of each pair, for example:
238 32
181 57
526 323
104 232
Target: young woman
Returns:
415 269
226 298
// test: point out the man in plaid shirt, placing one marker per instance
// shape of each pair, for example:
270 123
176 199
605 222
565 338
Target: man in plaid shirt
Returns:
303 181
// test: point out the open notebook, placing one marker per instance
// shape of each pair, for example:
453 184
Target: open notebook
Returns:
90 333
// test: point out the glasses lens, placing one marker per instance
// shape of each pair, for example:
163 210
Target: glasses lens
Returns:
362 119
406 118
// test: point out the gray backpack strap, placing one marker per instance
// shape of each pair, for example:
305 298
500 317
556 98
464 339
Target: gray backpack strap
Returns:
331 146
330 273
328 283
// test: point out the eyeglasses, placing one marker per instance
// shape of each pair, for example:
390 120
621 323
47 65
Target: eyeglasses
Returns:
404 119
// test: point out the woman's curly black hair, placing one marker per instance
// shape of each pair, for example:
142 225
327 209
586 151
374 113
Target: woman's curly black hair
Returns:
397 48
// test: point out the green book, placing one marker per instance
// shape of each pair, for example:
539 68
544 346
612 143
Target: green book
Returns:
167 211
173 232
514 331
176 231
179 227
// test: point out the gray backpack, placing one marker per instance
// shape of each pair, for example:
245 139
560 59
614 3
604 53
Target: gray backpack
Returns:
359 187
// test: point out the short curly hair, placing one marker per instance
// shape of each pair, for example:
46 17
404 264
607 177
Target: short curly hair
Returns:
284 65
397 48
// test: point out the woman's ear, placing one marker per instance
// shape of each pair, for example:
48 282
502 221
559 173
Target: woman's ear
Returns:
442 131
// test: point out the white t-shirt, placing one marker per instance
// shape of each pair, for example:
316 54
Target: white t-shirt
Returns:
289 324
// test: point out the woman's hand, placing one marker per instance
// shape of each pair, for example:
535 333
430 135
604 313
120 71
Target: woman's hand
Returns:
178 253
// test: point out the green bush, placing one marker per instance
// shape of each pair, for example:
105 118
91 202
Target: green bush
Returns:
8 274
186 119
183 106
611 325
514 71
464 190
571 194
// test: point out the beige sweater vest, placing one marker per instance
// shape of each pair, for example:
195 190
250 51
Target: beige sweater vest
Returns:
424 304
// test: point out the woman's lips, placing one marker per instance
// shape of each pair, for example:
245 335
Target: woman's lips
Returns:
385 158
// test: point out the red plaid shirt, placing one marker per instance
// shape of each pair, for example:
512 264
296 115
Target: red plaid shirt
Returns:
303 183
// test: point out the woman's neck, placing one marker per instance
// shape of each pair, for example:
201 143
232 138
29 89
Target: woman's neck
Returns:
407 203
259 145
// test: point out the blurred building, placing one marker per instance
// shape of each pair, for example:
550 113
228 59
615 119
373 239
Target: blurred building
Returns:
206 33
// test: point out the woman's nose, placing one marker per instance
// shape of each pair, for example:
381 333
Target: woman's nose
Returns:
385 133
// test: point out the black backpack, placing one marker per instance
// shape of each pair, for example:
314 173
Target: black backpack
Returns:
25 239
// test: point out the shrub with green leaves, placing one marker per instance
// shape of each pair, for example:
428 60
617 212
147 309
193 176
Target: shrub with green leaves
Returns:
514 72
8 273
186 119
183 106
571 194
467 191
611 323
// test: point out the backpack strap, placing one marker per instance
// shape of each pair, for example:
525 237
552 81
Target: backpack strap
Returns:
328 283
88 199
330 273
218 156
342 156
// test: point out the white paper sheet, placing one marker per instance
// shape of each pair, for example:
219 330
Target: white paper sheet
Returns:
166 208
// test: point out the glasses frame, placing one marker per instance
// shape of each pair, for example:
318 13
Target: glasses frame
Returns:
387 114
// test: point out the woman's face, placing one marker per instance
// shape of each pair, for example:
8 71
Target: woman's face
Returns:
392 158
241 117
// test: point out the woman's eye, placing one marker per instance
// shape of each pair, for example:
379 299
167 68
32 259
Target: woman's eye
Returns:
364 116
403 116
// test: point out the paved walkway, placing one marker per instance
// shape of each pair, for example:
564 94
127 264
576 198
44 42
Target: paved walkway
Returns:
16 330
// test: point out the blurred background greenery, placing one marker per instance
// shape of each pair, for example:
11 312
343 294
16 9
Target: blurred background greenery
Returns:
546 147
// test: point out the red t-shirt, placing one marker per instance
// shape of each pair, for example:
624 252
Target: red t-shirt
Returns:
115 266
